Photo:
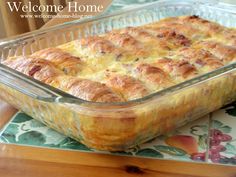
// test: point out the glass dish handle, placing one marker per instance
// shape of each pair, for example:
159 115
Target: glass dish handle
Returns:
18 81
225 4
208 1
228 4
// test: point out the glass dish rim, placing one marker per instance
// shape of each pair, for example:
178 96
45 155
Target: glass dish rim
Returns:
64 97
210 3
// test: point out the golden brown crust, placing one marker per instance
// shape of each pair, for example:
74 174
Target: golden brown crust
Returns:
141 59
142 35
188 31
66 62
154 75
37 68
172 37
230 36
100 45
224 52
202 24
138 32
117 129
177 68
191 26
201 57
45 71
128 42
127 86
90 90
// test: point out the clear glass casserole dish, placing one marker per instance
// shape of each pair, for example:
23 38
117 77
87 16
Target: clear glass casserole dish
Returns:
117 126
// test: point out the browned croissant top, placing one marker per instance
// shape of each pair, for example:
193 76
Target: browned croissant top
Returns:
133 62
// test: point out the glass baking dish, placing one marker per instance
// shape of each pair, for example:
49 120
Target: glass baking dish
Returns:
118 126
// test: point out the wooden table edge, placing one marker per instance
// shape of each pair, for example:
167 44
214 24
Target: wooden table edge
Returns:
107 161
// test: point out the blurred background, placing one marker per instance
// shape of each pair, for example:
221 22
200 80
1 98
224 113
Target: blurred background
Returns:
2 29
12 24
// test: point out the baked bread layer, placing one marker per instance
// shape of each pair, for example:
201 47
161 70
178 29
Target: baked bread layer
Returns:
133 62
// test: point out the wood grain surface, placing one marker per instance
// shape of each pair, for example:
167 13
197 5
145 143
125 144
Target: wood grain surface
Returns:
30 161
6 113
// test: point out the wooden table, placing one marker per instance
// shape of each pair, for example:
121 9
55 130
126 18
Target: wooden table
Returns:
30 161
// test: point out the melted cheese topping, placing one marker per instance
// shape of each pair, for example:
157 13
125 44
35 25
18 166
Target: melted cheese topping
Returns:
137 61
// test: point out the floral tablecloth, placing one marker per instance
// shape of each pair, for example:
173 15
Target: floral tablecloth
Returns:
210 139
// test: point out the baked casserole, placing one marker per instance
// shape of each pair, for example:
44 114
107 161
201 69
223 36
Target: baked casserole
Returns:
131 63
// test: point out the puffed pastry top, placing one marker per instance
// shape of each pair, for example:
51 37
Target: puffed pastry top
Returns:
133 62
